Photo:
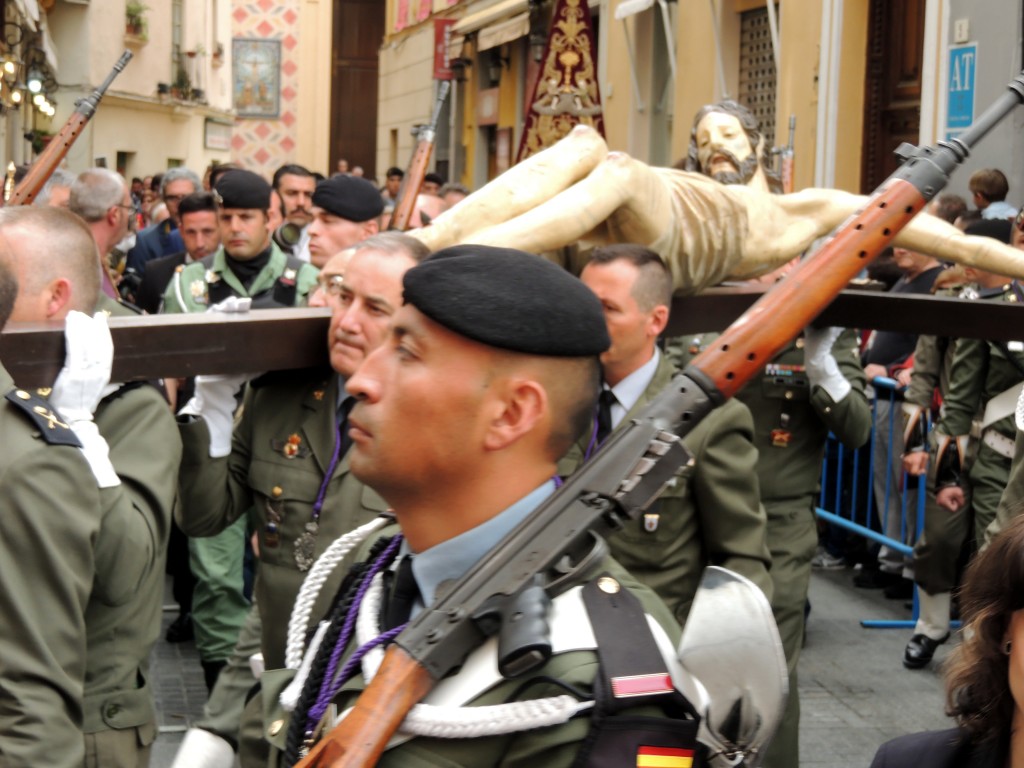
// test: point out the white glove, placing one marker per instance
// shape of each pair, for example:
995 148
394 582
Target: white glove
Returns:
821 366
214 400
82 383
232 304
203 749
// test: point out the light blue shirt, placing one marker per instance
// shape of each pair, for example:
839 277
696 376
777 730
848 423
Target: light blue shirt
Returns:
999 210
629 390
451 559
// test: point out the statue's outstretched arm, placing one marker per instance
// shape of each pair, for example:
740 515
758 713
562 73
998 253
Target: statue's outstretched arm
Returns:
518 190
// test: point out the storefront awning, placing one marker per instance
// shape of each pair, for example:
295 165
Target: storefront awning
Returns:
500 11
503 32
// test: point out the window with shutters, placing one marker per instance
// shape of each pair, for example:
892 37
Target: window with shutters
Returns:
757 71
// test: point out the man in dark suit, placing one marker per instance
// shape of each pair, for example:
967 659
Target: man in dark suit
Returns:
162 239
201 236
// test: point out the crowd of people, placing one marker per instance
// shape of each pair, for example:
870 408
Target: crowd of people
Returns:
464 386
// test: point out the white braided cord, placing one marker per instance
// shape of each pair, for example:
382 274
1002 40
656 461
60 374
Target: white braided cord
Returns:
456 722
1020 411
314 581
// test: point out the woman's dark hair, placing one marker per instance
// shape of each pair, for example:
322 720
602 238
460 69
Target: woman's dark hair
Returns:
977 673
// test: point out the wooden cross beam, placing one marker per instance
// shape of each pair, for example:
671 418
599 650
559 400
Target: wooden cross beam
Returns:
158 346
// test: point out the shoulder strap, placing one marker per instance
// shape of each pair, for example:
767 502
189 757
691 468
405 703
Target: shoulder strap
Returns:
53 429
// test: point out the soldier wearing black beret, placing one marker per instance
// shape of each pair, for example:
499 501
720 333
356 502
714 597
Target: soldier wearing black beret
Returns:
247 264
345 211
489 371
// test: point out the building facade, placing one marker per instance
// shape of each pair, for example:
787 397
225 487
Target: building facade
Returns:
856 77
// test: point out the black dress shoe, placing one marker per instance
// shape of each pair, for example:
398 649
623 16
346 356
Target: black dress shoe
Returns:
180 630
920 649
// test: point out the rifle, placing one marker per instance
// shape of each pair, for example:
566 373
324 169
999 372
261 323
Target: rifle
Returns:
558 538
413 179
786 159
55 151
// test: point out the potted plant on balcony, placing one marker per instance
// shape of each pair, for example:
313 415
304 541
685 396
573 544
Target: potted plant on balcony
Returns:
135 19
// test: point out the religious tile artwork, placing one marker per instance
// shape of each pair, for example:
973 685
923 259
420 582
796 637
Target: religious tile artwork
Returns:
257 77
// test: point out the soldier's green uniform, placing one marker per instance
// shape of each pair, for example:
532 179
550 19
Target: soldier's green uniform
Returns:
710 516
791 423
981 371
281 450
552 747
938 547
195 286
51 518
120 718
219 607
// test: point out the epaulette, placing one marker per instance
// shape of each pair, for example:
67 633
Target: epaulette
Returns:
50 425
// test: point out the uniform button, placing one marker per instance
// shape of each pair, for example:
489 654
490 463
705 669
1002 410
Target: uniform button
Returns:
277 491
800 343
21 394
275 727
113 710
608 585
788 395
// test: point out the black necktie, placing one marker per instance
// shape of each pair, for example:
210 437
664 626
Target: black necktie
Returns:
403 595
604 414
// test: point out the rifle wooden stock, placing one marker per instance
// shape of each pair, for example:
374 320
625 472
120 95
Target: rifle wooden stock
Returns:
411 184
413 179
360 738
792 304
57 149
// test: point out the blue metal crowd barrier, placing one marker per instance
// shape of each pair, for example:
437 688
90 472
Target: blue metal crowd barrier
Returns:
839 504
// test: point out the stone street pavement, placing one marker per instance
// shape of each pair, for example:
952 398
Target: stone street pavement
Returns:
854 691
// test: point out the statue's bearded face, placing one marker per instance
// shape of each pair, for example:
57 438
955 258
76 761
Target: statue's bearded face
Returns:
724 150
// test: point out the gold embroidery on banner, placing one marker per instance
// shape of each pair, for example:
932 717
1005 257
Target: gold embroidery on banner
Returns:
566 93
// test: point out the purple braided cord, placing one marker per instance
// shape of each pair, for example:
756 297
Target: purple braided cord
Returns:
328 688
319 503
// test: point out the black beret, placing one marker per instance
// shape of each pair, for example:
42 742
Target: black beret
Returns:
508 299
998 229
349 197
242 189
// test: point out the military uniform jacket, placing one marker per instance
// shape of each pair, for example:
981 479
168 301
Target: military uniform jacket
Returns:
48 530
189 289
711 515
145 450
792 420
281 448
550 747
981 371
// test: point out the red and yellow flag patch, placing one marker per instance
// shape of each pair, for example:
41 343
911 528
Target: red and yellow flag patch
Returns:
663 757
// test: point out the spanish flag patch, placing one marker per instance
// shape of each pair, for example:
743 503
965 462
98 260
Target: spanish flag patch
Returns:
663 757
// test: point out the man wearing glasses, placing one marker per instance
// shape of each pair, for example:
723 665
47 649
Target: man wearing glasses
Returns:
163 239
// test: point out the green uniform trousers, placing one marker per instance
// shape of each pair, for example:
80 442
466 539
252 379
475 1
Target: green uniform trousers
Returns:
219 606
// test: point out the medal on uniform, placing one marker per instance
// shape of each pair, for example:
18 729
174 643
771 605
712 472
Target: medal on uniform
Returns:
305 546
271 533
781 438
